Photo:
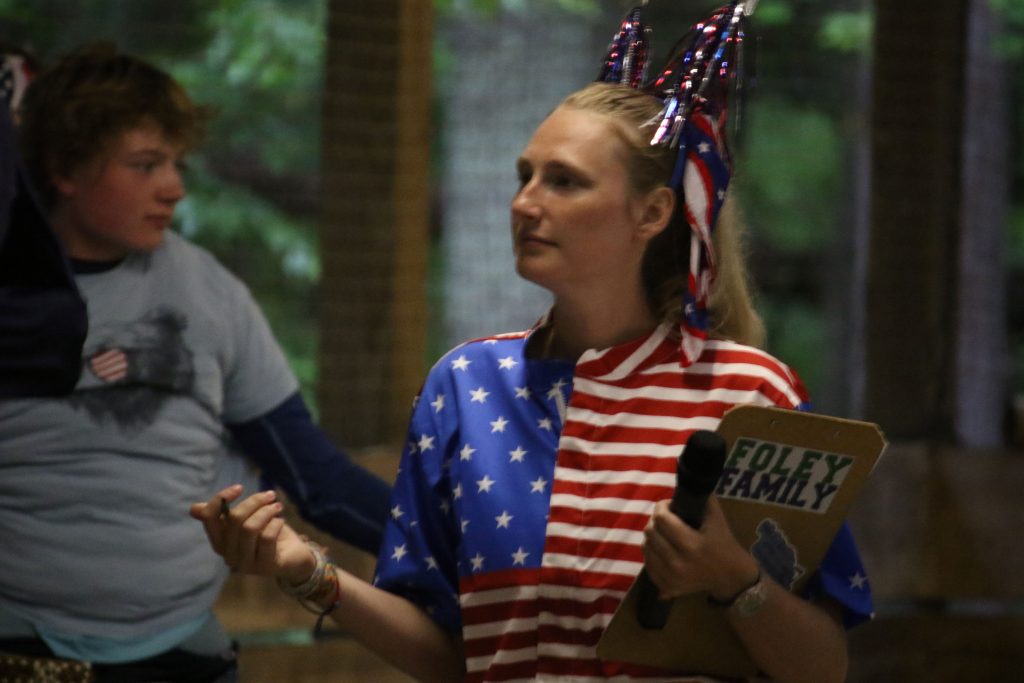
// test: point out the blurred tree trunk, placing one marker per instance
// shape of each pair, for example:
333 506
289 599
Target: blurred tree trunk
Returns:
983 356
844 279
936 349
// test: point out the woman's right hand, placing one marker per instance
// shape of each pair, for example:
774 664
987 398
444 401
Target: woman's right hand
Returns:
251 536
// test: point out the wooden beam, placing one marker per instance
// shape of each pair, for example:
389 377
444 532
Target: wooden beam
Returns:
374 225
917 115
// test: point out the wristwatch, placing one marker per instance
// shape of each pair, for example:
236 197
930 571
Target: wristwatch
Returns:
749 600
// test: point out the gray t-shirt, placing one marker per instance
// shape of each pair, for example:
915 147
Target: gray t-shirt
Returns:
95 537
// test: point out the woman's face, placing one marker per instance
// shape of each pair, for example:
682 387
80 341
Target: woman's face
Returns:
577 226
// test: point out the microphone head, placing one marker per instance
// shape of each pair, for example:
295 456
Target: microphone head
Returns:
701 463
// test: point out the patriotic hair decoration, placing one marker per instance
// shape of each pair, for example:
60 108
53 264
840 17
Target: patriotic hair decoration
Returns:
694 86
629 52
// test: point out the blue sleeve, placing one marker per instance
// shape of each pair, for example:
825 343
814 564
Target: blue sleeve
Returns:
330 490
43 321
841 576
418 559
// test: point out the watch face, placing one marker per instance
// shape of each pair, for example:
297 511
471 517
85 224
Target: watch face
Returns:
752 599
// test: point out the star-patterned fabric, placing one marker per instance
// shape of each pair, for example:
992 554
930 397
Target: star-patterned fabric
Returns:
518 512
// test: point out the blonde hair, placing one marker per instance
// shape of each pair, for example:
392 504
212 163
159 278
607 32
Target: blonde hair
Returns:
634 116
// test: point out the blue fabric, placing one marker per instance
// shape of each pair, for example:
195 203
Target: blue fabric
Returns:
176 348
330 490
203 635
111 651
841 576
42 315
441 522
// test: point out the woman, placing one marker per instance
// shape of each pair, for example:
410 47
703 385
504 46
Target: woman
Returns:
527 499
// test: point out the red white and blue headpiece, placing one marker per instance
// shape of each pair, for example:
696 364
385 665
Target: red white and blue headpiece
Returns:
694 86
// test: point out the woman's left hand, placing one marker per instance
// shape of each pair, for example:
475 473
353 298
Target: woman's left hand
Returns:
683 560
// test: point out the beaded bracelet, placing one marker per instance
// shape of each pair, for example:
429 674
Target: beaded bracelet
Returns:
322 587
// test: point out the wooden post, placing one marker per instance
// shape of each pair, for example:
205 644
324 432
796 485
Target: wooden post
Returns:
375 212
983 355
412 203
912 273
937 358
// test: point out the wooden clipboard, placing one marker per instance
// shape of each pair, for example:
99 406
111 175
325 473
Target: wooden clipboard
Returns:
788 483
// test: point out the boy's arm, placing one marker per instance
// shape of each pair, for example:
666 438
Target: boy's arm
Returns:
330 490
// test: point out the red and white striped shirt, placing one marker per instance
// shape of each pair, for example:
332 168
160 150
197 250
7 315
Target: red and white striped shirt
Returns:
520 504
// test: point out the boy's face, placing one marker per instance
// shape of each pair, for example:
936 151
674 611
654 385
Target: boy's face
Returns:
121 201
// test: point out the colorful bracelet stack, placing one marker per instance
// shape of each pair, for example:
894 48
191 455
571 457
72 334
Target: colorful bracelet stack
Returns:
321 592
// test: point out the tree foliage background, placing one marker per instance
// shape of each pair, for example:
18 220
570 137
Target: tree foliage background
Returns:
803 127
254 185
1010 47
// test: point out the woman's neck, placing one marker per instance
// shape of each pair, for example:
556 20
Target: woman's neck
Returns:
585 325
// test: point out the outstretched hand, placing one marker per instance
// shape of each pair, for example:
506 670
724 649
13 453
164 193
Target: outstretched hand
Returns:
683 560
252 537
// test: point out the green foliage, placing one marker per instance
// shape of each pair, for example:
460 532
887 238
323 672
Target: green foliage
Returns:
773 13
263 69
14 11
792 163
1015 255
1017 355
51 27
582 7
848 31
791 168
219 216
844 31
1010 42
1009 45
488 8
259 63
796 333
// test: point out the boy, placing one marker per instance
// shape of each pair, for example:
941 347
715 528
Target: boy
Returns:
101 562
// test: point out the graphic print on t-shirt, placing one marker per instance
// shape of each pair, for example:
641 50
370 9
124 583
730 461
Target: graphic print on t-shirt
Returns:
140 365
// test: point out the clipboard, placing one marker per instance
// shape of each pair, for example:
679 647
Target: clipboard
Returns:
787 485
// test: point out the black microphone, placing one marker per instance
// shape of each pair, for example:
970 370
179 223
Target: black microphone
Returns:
697 474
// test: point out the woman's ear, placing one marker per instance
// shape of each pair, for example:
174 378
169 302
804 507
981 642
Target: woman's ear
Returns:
656 212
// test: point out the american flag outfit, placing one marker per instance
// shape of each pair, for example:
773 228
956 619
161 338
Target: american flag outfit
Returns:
518 511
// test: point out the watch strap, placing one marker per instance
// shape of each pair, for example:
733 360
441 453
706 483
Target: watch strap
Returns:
748 601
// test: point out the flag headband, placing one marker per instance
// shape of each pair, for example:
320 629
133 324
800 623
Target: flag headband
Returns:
693 86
